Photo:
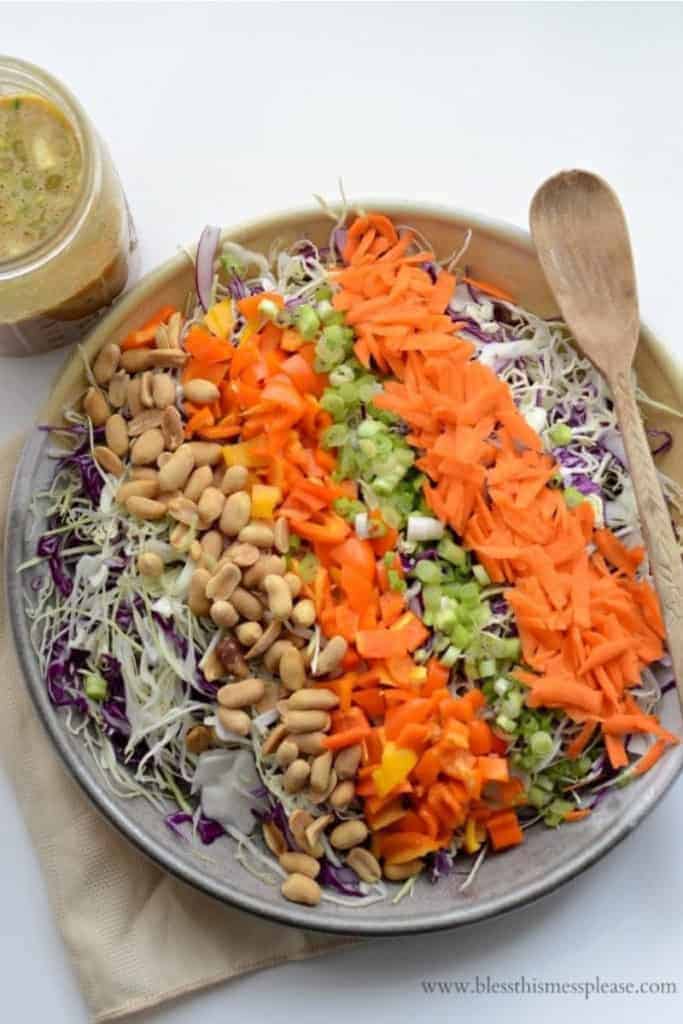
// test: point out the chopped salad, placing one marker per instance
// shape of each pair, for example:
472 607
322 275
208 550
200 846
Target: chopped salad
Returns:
342 561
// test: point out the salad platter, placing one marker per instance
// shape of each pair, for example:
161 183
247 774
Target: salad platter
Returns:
326 577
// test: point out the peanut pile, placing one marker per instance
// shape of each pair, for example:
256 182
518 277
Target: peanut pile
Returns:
240 582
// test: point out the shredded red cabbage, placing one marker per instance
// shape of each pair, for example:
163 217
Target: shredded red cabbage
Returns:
207 829
343 879
440 866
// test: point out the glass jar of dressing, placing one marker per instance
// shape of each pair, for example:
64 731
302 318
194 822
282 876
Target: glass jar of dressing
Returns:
66 236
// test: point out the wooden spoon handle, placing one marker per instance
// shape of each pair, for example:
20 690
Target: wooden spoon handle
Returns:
655 521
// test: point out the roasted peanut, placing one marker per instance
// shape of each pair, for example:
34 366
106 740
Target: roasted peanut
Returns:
267 638
235 721
313 699
286 753
148 419
348 834
320 771
150 564
143 488
244 555
346 762
399 872
316 797
294 583
279 597
133 395
311 742
144 473
163 390
273 838
303 613
273 740
236 513
242 694
200 391
172 428
181 537
210 505
234 479
272 657
96 406
223 614
306 721
137 360
291 669
299 888
174 473
257 533
314 832
145 508
106 364
194 488
331 656
299 862
212 667
266 565
230 657
146 395
147 448
296 776
198 739
248 633
118 390
196 596
195 551
299 821
212 543
281 535
247 605
342 795
182 510
173 329
270 697
223 583
108 460
116 434
364 864
161 336
205 453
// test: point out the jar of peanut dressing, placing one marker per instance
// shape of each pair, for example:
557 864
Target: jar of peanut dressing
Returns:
66 236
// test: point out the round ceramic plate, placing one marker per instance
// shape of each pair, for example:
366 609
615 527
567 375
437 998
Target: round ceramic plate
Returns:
548 858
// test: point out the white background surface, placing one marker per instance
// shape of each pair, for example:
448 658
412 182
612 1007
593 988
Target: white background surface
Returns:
222 112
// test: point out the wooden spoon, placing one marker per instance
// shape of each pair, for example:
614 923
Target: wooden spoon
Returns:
582 241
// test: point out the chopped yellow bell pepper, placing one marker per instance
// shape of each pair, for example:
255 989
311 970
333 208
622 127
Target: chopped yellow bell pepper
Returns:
219 318
241 454
264 498
396 766
474 836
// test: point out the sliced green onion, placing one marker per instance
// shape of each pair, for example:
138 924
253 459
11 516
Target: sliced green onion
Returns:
560 435
428 572
541 743
501 686
537 797
395 581
268 309
340 375
325 311
487 668
449 657
452 552
307 322
512 705
95 687
572 497
506 724
308 568
481 576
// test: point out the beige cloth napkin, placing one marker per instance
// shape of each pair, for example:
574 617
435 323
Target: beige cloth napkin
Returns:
136 936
